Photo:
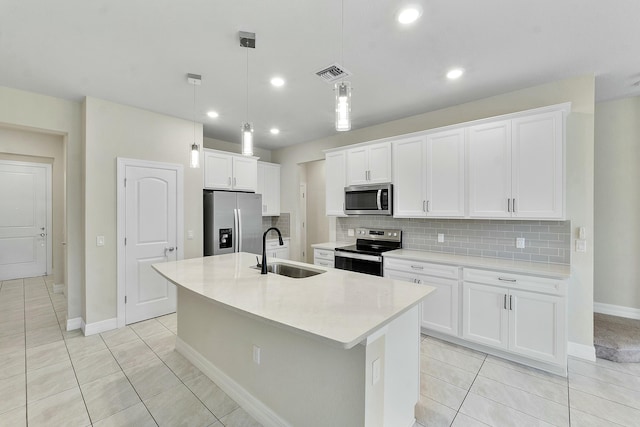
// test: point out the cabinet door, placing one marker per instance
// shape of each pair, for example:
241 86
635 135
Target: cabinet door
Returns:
409 178
282 253
490 170
484 317
335 176
260 186
217 171
245 173
538 166
536 326
271 196
358 166
445 174
380 163
440 308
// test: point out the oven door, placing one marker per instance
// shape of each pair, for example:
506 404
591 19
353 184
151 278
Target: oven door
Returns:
360 263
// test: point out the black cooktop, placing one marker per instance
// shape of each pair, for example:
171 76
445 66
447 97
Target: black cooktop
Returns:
374 241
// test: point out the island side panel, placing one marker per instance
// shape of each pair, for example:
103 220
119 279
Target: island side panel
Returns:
303 381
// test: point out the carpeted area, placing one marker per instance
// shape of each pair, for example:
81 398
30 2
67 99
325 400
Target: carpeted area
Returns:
616 338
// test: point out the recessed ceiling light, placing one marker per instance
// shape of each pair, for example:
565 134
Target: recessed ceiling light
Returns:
277 81
455 73
212 114
409 15
275 131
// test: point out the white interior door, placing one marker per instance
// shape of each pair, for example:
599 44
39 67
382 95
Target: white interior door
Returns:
151 227
24 219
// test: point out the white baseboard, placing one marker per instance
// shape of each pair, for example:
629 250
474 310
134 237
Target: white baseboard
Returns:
616 310
581 351
75 323
98 327
258 410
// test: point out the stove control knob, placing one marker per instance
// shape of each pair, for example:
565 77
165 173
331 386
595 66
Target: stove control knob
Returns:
389 234
395 234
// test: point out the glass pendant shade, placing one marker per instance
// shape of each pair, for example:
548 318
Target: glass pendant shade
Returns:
343 106
247 139
195 156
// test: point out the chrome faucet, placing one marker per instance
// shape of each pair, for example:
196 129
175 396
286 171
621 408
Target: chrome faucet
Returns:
264 248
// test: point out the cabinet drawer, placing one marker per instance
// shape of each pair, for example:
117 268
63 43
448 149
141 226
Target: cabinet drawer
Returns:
437 270
324 254
515 281
324 263
274 244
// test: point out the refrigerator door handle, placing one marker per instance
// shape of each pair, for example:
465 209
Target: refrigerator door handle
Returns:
239 230
235 227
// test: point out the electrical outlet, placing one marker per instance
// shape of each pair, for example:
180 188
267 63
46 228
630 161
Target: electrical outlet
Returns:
99 240
375 368
581 245
190 234
440 238
351 232
256 354
520 242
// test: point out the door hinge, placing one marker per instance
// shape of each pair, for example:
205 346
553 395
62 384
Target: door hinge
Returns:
125 182
125 299
125 241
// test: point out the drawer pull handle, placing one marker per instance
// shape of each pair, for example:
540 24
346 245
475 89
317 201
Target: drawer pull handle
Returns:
510 302
507 280
417 267
505 301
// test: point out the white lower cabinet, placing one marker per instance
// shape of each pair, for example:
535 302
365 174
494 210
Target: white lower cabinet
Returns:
440 310
274 250
323 257
521 314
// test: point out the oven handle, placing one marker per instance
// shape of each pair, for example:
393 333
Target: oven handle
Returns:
363 257
379 200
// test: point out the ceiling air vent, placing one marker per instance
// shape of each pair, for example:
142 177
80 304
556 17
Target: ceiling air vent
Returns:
332 73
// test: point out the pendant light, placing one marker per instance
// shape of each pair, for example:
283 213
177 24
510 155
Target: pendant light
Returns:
194 162
342 90
248 41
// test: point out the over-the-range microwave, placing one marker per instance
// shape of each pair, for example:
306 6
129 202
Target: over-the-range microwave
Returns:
375 199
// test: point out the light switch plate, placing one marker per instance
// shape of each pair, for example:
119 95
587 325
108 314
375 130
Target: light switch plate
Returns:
581 245
351 232
520 242
440 238
190 234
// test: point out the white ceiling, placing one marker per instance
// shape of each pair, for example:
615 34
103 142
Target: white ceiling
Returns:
138 52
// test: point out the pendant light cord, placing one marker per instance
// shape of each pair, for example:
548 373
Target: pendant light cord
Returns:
342 34
247 47
194 113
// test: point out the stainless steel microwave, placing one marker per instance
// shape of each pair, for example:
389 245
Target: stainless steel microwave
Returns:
376 199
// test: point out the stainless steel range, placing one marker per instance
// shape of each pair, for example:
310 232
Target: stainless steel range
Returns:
366 255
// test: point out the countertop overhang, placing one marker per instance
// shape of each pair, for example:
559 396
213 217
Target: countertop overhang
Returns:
340 307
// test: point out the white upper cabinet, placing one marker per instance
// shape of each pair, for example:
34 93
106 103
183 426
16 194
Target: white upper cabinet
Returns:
516 168
445 174
428 175
336 179
538 159
369 164
269 186
409 177
226 171
490 170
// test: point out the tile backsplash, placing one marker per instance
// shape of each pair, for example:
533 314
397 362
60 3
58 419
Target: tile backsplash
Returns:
282 222
545 241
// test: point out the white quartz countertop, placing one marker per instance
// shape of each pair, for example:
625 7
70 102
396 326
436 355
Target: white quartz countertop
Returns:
331 245
339 307
555 271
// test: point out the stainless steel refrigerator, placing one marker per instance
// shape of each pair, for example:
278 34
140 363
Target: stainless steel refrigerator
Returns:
232 222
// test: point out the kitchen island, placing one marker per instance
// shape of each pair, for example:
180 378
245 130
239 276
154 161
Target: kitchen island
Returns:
338 348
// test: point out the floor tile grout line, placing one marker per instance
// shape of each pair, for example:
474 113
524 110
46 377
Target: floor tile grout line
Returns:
129 381
468 391
177 376
605 398
636 390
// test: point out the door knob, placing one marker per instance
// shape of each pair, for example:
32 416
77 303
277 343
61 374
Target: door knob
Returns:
170 249
42 234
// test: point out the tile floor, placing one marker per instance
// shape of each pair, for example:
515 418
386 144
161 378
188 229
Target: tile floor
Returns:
134 377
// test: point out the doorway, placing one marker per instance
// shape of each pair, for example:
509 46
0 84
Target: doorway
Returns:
150 230
317 230
25 219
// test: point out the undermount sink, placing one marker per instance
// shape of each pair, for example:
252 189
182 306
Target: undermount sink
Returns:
290 270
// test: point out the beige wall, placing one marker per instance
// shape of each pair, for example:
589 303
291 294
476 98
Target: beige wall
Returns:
112 131
40 113
217 144
317 221
617 207
580 173
25 146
